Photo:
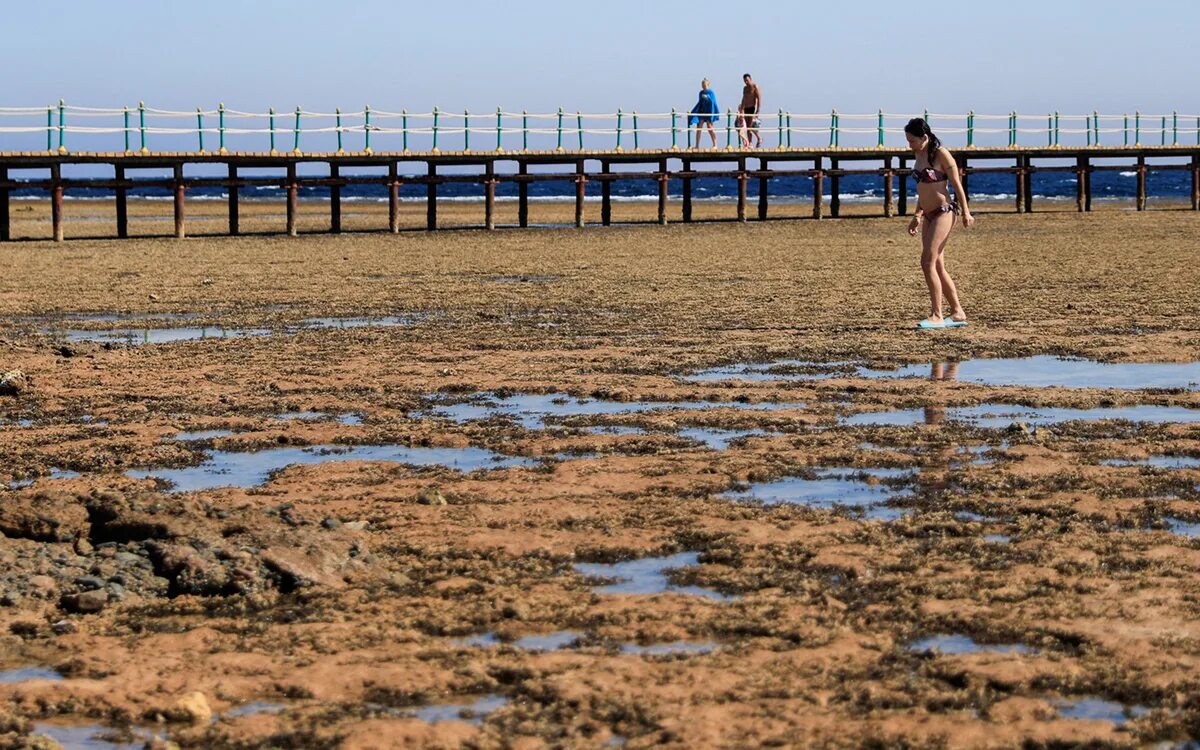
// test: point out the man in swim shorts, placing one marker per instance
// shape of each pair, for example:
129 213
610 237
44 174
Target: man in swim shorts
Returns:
748 111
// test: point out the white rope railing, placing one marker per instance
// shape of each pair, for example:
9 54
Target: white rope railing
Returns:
562 130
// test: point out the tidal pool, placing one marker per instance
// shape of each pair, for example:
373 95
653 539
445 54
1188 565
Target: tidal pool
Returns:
955 644
1098 709
647 575
830 488
472 713
999 416
135 335
25 674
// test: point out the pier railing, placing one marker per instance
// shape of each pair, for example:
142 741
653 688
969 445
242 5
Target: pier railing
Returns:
63 128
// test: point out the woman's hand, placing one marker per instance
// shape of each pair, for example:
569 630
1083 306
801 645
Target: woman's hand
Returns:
968 219
913 226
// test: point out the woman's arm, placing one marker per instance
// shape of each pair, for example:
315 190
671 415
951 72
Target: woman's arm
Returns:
950 167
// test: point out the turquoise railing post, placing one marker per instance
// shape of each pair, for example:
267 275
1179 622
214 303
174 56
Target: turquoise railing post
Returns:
1012 129
49 129
1056 131
1125 129
1137 128
879 131
1198 131
636 145
1174 128
971 129
780 127
142 127
618 128
559 147
728 128
1096 125
63 148
367 128
499 128
271 126
1049 131
674 131
1162 131
837 130
466 130
126 112
200 128
579 127
435 130
832 126
220 129
296 133
337 113
1088 127
404 130
524 130
789 129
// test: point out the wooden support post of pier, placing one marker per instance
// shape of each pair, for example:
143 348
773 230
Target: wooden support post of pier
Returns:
687 192
1087 184
742 179
1141 183
180 193
5 217
835 189
235 219
1028 185
489 199
888 201
818 189
335 200
56 201
1195 182
663 181
1079 184
293 197
1020 188
122 202
393 198
763 184
605 196
523 196
580 187
431 199
903 203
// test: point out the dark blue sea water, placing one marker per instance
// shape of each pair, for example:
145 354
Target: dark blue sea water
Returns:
853 188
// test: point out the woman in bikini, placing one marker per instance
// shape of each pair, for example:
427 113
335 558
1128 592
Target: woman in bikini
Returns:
937 213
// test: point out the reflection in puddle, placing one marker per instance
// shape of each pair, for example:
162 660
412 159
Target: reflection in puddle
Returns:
533 410
199 435
146 335
831 488
253 708
1098 709
952 645
999 416
1035 372
997 538
472 713
1157 462
646 576
92 736
667 649
1184 528
548 642
230 469
25 674
717 440
615 430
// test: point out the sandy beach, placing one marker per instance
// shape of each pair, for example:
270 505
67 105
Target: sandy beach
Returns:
442 438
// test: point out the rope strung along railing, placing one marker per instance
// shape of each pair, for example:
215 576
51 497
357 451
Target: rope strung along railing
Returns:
85 128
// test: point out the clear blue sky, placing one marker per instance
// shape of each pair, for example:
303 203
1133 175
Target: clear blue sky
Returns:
1027 55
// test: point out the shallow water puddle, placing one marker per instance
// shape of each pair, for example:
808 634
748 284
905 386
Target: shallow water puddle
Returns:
1040 371
472 713
348 418
1157 462
1098 709
533 411
831 488
231 469
997 538
25 674
715 439
646 575
1184 528
147 335
200 435
615 430
253 708
669 649
999 416
547 642
91 736
956 644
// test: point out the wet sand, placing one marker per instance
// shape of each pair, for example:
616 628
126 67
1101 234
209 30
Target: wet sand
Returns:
339 593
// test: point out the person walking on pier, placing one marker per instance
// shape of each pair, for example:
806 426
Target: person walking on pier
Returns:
705 113
935 171
748 112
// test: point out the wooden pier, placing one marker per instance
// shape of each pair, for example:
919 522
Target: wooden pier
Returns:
579 167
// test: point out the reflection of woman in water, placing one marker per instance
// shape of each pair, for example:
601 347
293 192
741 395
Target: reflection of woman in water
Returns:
935 172
705 113
936 413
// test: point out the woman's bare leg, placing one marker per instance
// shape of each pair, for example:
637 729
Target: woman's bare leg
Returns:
712 132
949 290
934 234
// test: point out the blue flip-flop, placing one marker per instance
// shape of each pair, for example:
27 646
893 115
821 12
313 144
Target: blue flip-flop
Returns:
952 323
925 325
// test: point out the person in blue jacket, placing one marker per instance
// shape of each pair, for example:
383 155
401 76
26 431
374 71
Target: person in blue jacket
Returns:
705 113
